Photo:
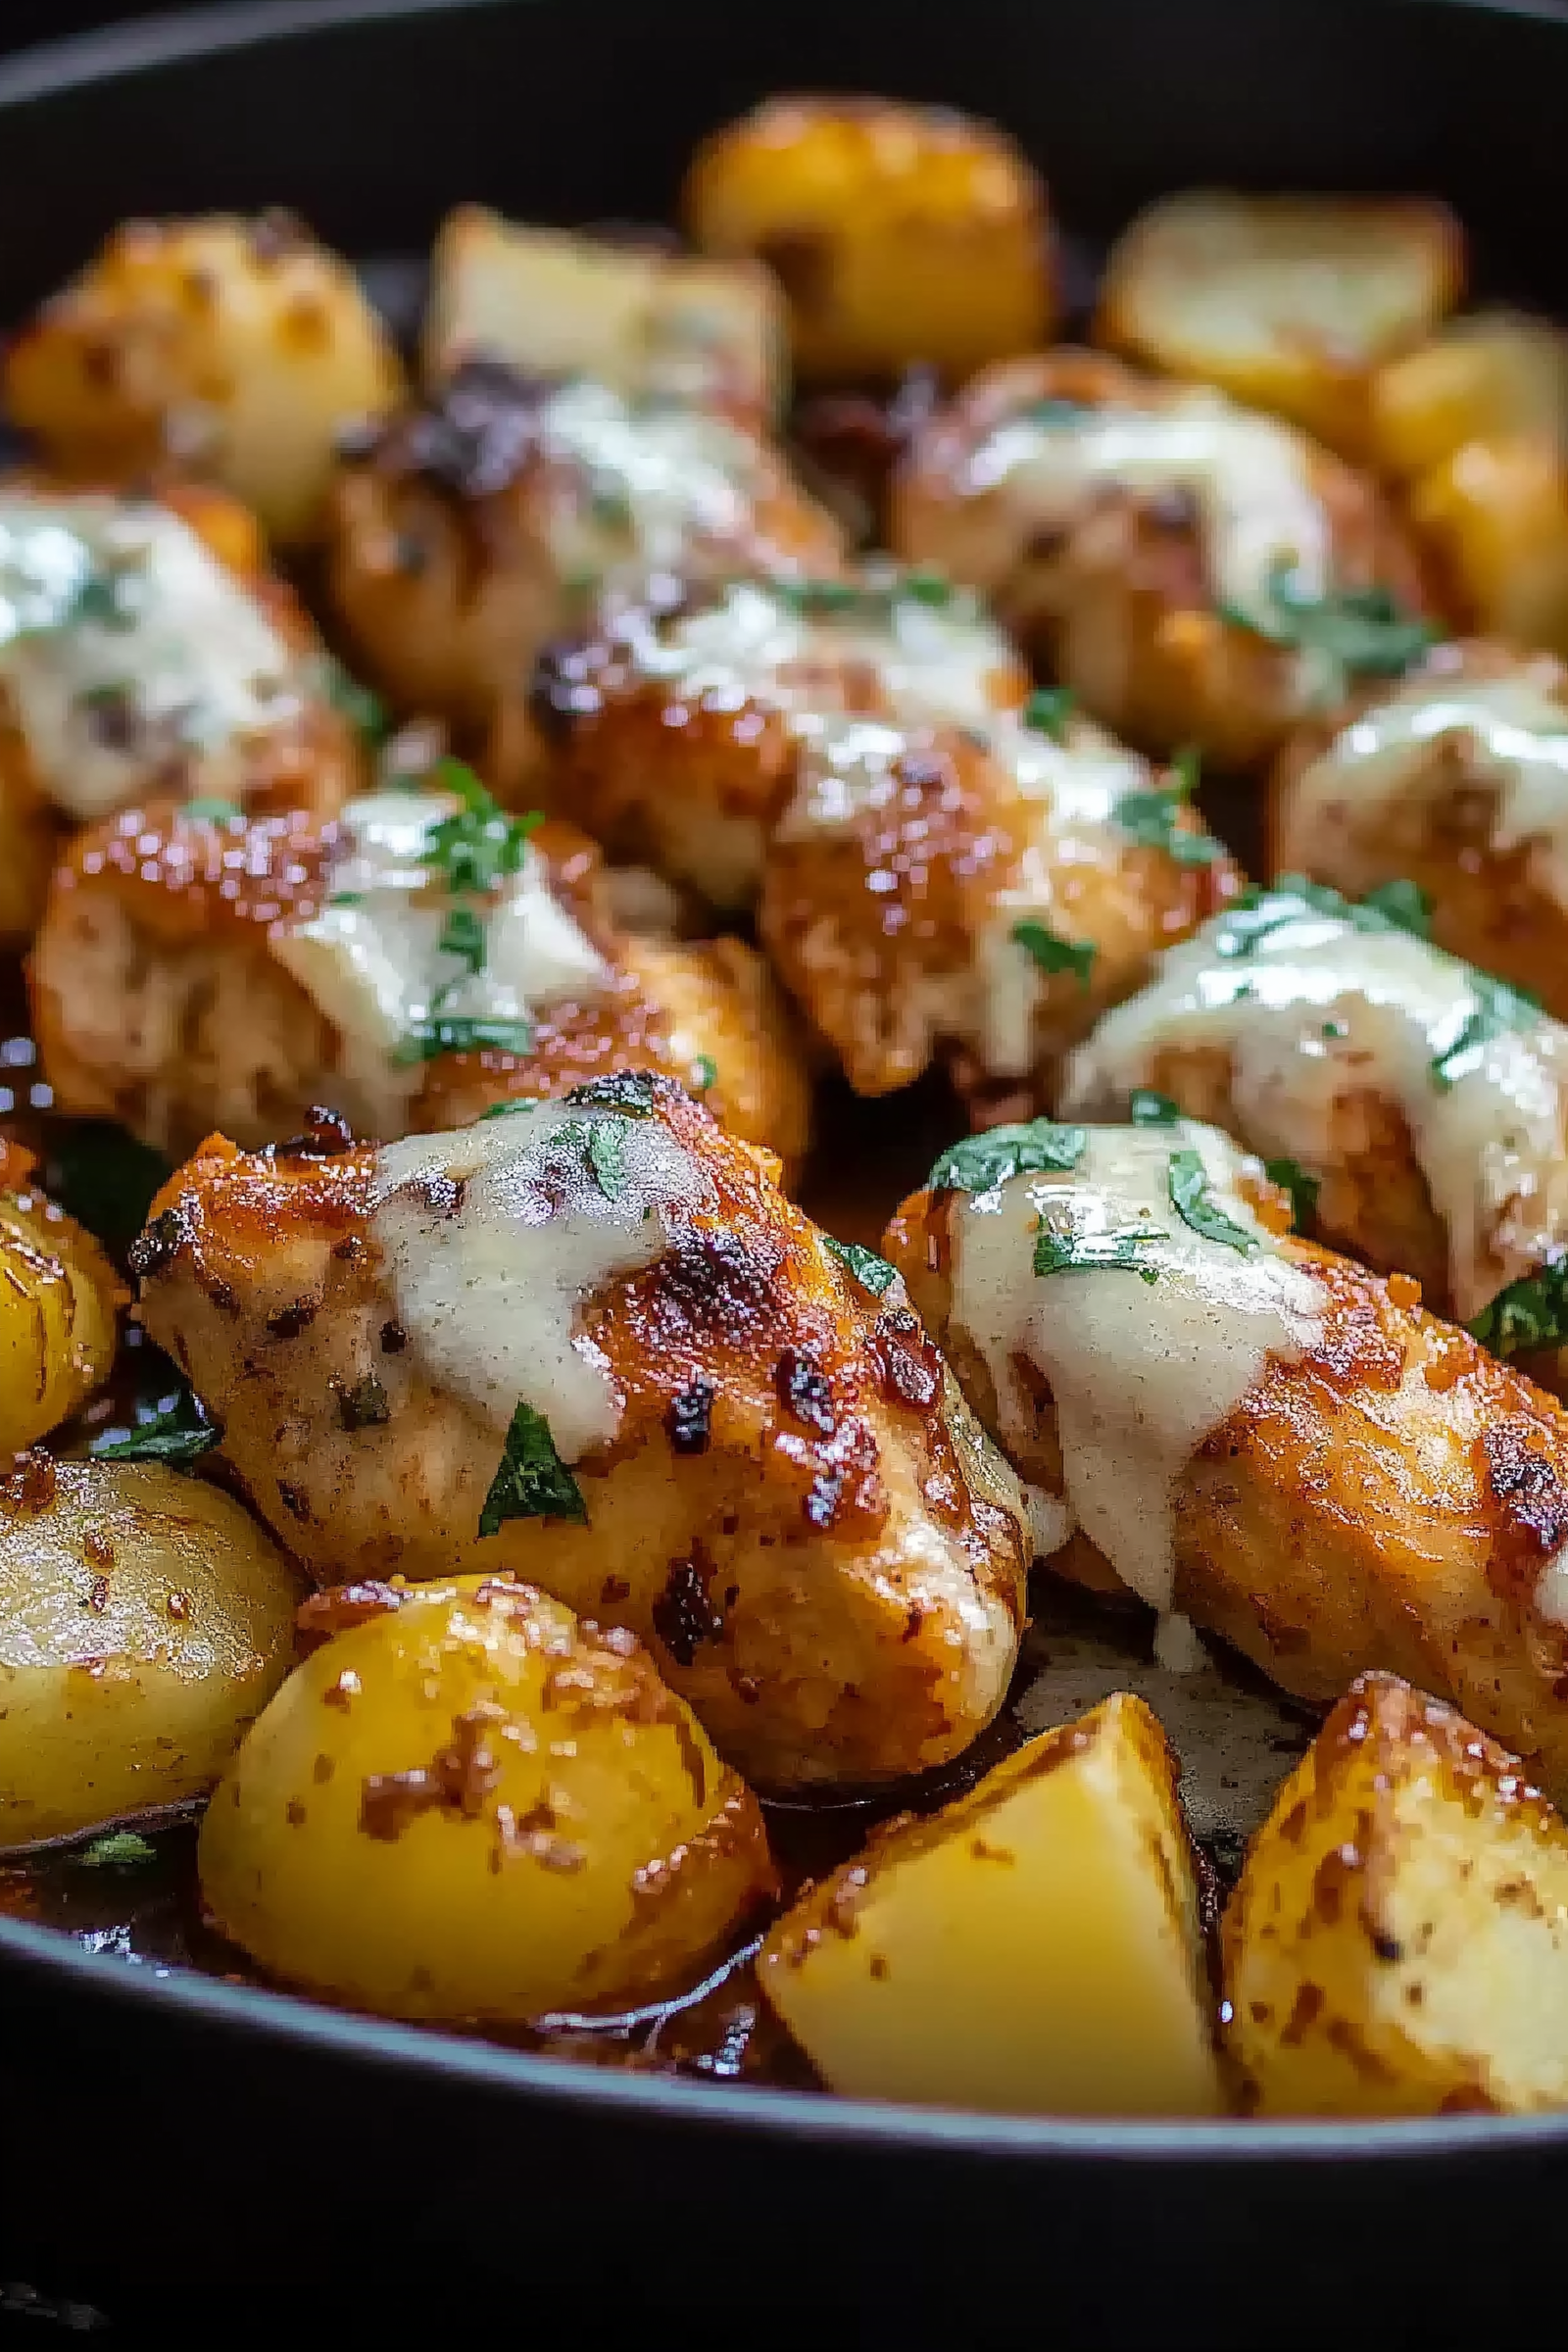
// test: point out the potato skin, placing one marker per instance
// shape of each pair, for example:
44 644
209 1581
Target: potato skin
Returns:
900 233
145 1619
1396 1945
59 1303
239 347
474 1806
1494 520
1485 377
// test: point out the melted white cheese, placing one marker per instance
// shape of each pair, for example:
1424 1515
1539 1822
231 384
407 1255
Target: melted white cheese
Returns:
1141 1372
1317 1012
1246 473
490 1284
645 487
371 960
130 652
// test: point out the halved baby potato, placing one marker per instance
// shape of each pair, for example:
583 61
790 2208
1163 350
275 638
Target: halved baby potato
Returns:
1286 302
1482 377
145 1620
1397 1944
473 1806
1034 1948
1494 519
59 1310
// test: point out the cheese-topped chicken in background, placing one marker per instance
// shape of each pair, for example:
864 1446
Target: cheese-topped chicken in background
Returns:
143 648
1247 1430
1455 779
1198 573
591 1341
409 963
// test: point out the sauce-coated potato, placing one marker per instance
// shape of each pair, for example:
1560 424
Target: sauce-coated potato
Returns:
1035 1947
474 1806
59 1298
902 233
145 1620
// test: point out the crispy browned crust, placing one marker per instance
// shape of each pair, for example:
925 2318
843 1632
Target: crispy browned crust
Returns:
1389 1500
781 1564
1119 605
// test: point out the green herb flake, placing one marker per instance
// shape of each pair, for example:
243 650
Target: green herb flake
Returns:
871 1272
450 1035
1052 411
180 1434
531 1481
1532 1312
982 1161
1048 711
1069 1252
1497 1009
462 936
347 897
364 1405
1052 953
1293 1178
634 1092
1349 633
605 1149
480 843
923 587
214 813
1149 1109
1196 1205
705 1073
120 1849
824 599
1152 820
1405 905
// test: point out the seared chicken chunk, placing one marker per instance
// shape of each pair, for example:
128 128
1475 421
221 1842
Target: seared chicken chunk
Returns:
143 648
479 525
236 348
590 1341
414 961
1199 574
1247 1429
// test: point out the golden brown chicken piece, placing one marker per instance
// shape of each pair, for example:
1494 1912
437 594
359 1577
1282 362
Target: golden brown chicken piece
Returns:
1247 1429
236 348
145 648
408 964
476 528
591 1341
1197 572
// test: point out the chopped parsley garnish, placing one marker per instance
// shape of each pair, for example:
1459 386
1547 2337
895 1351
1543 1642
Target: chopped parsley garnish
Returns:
1056 412
1293 1178
109 600
120 1849
1072 1251
1260 910
364 1405
454 1035
1053 953
705 1070
1406 905
347 897
818 598
982 1161
462 936
604 1147
181 1433
480 843
1153 819
873 1273
1149 1109
1497 1009
1047 711
1349 633
531 1481
926 588
214 813
1532 1312
1196 1205
631 1091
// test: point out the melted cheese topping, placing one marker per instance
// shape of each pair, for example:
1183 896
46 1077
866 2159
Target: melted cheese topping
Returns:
1520 741
645 487
1141 1371
128 650
1247 474
1315 1011
372 961
489 1282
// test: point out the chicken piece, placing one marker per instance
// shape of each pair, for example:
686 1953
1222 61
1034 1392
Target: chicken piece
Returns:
592 1342
408 965
236 347
1290 303
1197 572
1419 1108
473 528
902 233
652 325
1247 1429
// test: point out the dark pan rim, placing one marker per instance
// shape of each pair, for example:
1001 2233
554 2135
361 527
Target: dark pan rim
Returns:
143 45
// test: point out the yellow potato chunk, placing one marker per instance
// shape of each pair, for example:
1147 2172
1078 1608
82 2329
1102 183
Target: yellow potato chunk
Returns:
1034 1947
1397 1944
1286 302
1494 517
1483 378
240 348
145 1620
59 1310
900 233
471 1806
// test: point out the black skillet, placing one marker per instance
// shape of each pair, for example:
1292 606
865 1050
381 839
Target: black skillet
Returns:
198 2159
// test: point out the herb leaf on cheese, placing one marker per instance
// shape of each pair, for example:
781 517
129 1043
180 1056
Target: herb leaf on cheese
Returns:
531 1481
982 1161
1193 1199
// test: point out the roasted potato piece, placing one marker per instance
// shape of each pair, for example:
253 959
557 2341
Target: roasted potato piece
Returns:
59 1302
477 526
1195 572
673 1405
145 1619
1264 1438
192 974
1397 1944
1290 303
1486 376
475 1806
900 233
651 325
1427 1113
1494 517
1034 1947
238 347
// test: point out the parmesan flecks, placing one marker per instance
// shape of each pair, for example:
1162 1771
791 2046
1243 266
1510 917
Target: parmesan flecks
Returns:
129 651
1314 1010
1144 1361
493 1238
